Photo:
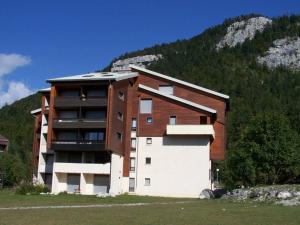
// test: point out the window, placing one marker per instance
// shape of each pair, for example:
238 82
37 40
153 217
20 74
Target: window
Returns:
75 157
68 114
121 95
89 157
203 119
149 119
149 141
67 136
94 136
132 164
166 89
131 184
69 93
95 114
96 93
119 136
147 182
148 160
146 106
172 120
120 116
133 124
133 143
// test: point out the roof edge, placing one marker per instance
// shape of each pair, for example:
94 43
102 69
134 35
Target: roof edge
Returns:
179 81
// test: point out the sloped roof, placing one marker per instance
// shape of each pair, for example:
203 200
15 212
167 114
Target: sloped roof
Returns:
175 98
179 81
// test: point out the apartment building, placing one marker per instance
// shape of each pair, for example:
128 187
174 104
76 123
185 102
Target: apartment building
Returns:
136 131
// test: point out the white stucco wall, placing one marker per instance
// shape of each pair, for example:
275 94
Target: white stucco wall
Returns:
59 182
116 174
179 166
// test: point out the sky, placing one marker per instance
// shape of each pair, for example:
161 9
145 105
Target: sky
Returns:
41 39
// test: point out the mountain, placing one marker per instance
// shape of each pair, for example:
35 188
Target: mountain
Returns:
254 59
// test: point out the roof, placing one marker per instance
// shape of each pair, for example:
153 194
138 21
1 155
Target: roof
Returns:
3 139
179 81
44 90
97 76
36 111
175 98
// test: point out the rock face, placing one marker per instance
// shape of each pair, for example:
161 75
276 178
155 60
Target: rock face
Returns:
285 52
238 32
142 61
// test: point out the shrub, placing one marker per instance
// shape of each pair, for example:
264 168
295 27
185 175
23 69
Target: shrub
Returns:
29 188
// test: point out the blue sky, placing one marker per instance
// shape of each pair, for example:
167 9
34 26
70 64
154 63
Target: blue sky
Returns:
65 37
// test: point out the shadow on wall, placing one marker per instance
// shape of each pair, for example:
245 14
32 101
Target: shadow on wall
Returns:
185 141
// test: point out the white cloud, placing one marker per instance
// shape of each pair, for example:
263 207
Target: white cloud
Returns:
12 90
15 91
10 62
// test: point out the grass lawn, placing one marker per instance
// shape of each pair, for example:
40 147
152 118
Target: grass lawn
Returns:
206 212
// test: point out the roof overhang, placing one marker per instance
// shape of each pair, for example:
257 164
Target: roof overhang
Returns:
36 111
97 76
177 99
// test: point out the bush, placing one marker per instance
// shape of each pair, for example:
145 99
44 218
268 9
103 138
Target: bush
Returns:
29 188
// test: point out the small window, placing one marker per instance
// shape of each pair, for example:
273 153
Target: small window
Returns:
149 119
149 141
203 119
133 124
120 116
146 106
172 120
166 89
132 164
133 143
148 160
119 136
147 182
121 95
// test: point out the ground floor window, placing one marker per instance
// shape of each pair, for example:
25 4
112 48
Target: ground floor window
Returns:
131 184
147 182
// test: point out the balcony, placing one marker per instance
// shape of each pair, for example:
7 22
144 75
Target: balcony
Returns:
66 102
78 123
190 130
78 145
91 168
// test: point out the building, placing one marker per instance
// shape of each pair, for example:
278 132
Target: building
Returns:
3 144
134 131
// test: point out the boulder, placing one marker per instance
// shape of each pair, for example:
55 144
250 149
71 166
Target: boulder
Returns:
206 194
284 195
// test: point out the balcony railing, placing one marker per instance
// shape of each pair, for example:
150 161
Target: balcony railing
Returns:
78 123
78 145
65 102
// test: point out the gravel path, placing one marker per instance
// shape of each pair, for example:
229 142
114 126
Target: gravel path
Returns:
90 206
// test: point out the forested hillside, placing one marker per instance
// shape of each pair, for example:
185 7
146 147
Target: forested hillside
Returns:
259 95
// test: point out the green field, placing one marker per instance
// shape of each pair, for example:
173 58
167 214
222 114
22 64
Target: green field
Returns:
206 212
